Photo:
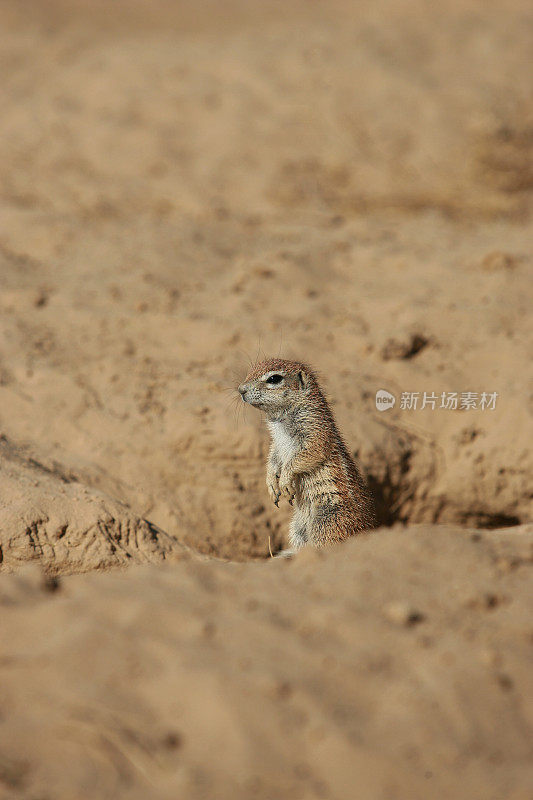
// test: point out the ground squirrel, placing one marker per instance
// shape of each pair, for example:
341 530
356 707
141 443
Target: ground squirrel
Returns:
308 460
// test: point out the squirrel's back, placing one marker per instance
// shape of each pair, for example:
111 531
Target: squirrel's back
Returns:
335 491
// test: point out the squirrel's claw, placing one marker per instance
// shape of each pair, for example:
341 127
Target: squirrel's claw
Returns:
281 486
288 489
274 492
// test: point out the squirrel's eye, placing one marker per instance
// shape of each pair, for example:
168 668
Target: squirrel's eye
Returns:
274 379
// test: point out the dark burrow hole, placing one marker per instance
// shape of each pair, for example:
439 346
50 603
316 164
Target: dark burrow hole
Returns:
491 521
391 499
400 497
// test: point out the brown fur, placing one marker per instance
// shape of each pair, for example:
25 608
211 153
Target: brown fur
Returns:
308 461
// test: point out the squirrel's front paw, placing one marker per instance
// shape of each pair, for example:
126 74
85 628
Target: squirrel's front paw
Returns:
273 487
287 486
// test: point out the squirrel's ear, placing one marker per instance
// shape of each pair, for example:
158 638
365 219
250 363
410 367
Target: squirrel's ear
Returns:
302 379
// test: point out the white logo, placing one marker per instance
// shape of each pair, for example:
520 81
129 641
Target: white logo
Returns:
384 400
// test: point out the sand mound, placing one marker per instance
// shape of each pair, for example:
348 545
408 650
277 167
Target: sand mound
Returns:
46 516
396 665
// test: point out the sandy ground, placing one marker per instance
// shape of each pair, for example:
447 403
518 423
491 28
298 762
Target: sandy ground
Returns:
184 187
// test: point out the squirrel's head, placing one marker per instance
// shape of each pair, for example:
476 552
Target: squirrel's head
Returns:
276 386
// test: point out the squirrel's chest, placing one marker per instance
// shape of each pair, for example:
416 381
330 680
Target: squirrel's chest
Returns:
285 443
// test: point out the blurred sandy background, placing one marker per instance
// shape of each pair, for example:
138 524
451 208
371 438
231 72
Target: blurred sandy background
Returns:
186 187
